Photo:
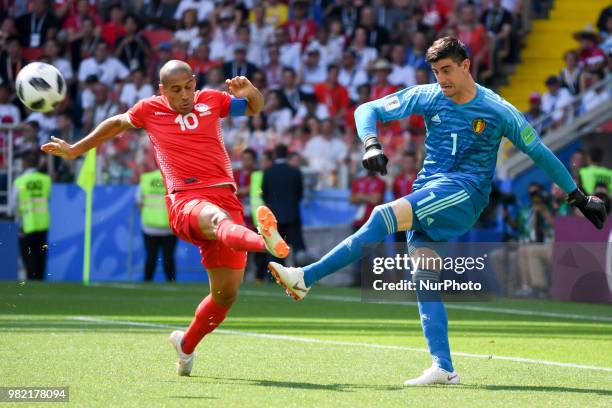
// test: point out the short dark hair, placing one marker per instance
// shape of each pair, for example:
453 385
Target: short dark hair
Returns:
34 124
250 152
596 154
447 47
269 154
30 159
281 151
289 69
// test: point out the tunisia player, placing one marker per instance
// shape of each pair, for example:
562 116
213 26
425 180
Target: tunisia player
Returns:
185 130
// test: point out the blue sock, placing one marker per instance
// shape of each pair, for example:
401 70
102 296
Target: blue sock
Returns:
381 223
435 325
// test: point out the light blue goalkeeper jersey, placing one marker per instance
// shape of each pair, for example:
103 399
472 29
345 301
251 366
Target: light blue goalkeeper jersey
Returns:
462 141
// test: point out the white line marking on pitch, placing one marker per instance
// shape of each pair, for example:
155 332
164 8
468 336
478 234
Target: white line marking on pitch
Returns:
353 299
339 343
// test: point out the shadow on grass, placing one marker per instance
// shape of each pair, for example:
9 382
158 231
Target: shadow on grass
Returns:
543 388
194 397
347 387
299 385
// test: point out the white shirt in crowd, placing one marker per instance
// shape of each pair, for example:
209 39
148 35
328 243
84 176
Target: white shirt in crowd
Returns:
64 66
203 7
555 104
104 111
130 95
280 120
261 35
87 99
9 114
107 72
321 112
352 80
312 76
592 99
222 42
330 52
290 55
324 155
403 75
189 36
365 55
254 53
47 123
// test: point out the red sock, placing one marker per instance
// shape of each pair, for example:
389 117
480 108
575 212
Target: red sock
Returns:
239 237
208 317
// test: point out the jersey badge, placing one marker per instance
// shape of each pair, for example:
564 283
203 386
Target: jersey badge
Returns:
202 108
391 103
479 125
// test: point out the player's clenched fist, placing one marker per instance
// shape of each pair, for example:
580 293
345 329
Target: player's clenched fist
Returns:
374 158
60 148
591 206
239 86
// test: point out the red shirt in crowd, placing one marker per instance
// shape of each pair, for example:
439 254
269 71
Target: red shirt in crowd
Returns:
202 67
189 148
402 184
110 33
335 98
301 31
367 185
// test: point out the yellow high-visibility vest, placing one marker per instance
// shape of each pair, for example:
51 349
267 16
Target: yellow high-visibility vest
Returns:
153 192
34 192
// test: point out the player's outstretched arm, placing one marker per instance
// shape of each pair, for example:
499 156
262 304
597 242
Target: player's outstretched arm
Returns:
241 87
108 129
524 137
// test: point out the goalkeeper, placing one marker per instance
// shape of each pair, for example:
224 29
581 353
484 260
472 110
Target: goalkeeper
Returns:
465 123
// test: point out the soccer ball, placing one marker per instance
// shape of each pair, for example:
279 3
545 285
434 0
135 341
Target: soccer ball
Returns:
40 87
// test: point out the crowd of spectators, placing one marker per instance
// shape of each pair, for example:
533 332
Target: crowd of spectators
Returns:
314 61
586 67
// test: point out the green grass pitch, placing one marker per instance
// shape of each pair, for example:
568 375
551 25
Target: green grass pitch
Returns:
108 343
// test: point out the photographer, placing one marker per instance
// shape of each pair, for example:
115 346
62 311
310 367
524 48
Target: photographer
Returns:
535 223
503 258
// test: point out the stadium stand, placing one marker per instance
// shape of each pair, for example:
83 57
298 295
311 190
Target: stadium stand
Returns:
315 62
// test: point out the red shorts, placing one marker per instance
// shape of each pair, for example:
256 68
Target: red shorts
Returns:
183 210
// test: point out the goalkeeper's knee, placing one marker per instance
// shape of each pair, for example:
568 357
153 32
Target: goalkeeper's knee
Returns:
382 220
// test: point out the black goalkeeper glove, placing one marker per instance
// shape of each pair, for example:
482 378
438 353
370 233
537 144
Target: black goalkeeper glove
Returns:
591 206
374 158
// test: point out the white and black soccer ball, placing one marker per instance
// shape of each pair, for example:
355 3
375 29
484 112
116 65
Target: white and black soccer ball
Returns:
40 87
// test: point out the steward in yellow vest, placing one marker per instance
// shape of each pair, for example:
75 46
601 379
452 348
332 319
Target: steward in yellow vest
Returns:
155 226
30 202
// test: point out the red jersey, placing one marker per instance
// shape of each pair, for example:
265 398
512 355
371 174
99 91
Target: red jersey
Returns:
402 185
301 31
189 148
335 98
367 185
